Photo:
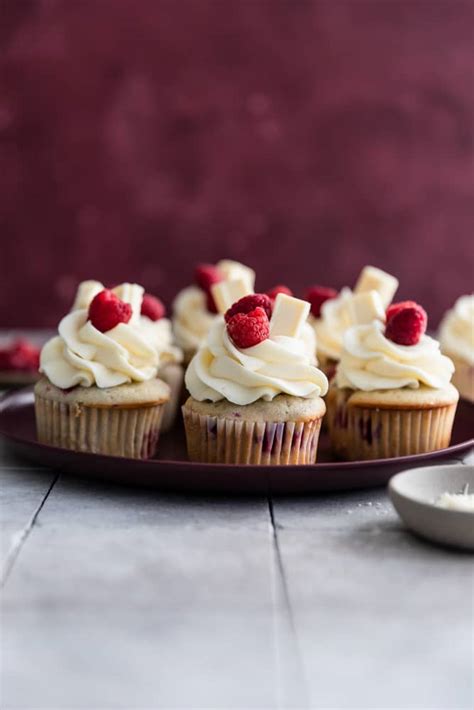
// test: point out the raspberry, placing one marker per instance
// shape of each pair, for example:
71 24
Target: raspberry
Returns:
395 307
317 295
20 355
248 329
107 310
152 307
406 324
206 275
249 303
273 292
210 303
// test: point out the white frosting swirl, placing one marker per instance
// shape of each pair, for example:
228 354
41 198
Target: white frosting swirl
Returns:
457 330
369 361
279 365
308 336
191 319
160 334
334 321
83 355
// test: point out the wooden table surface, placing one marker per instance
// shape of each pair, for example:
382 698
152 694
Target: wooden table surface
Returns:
121 598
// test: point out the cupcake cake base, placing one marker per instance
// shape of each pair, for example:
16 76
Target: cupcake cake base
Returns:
281 432
463 377
389 423
118 421
173 375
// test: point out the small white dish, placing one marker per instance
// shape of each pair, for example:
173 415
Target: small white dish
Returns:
414 494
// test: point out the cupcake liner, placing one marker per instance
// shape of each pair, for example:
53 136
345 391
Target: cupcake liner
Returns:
218 440
132 431
173 375
359 433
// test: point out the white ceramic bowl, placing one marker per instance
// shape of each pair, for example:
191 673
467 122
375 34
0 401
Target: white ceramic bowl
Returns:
414 492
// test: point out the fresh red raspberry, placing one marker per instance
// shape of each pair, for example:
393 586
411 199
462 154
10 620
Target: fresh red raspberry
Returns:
273 292
107 310
20 355
407 324
152 307
210 303
395 307
249 303
206 275
317 295
248 329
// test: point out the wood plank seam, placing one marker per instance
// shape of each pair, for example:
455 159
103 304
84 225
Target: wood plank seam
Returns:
280 578
20 538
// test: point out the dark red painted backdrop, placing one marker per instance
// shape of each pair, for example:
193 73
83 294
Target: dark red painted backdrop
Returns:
306 138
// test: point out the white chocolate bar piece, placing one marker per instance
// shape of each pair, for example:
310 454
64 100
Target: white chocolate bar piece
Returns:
366 307
132 294
233 270
289 316
226 293
86 291
373 279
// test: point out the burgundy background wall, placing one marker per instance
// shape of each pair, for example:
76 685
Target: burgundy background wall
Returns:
306 138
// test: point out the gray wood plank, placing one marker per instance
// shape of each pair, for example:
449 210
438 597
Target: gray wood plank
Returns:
22 492
382 619
161 601
138 659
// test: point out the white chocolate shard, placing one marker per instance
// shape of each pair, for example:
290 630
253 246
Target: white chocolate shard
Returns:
289 315
86 291
132 294
373 279
234 270
226 293
366 307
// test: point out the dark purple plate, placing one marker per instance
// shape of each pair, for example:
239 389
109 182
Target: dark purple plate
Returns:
172 471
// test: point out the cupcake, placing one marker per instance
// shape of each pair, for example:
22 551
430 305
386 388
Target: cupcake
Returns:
255 395
332 313
157 329
391 395
99 393
170 369
194 310
456 336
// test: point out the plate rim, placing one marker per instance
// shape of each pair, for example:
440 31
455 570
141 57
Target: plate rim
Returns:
411 459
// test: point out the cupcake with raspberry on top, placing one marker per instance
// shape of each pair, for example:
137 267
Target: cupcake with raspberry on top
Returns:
100 393
392 394
332 312
194 310
256 397
158 330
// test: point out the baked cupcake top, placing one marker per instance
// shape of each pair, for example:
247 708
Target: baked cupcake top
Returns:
392 353
456 332
256 351
194 310
332 313
101 344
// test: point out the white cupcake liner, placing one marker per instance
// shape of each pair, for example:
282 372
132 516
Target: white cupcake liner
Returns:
173 375
218 440
130 431
359 433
